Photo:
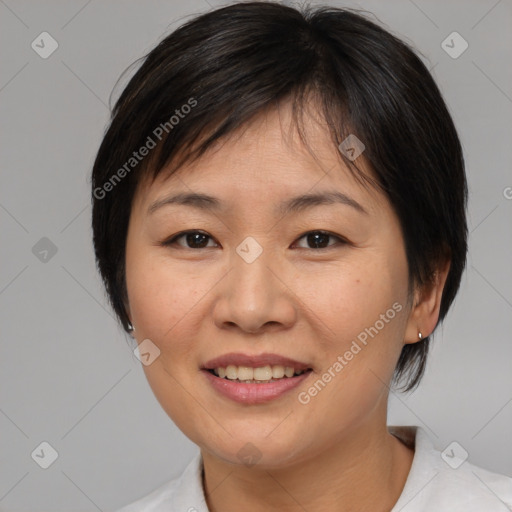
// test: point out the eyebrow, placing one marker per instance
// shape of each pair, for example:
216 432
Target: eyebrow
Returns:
297 204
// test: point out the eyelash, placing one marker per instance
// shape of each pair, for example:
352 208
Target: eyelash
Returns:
172 241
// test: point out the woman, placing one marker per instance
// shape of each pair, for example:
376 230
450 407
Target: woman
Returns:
279 220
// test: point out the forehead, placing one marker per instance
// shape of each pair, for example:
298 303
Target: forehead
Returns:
266 161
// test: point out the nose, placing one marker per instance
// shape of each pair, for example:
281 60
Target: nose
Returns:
254 297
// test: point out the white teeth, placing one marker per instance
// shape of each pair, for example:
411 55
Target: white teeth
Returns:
288 371
245 373
278 371
232 372
262 374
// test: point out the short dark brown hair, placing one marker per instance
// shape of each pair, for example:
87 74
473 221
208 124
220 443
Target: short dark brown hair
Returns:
213 74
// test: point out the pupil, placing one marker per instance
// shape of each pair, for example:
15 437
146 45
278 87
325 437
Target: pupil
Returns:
193 237
317 238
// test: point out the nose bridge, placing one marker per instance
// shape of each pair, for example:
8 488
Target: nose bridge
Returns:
251 277
252 296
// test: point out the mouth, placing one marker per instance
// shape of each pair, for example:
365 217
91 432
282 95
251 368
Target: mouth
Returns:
259 375
254 369
254 379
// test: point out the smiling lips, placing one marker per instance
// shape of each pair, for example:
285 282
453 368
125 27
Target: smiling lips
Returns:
261 374
255 369
254 379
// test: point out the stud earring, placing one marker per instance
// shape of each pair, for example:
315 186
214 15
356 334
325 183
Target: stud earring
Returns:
130 327
420 336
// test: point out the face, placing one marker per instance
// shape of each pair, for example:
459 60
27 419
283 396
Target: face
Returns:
320 286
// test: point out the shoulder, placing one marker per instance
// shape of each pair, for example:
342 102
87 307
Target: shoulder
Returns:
183 494
447 482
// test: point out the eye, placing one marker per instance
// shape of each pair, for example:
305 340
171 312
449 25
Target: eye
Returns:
193 239
320 239
199 240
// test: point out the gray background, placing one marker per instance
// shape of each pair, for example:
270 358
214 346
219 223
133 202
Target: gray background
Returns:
68 375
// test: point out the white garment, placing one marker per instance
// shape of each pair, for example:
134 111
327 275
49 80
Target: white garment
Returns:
432 485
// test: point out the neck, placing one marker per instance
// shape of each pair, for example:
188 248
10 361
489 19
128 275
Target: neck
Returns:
366 469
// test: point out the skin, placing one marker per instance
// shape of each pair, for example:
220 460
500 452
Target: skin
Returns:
295 300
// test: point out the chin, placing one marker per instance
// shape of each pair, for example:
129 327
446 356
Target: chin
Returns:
256 449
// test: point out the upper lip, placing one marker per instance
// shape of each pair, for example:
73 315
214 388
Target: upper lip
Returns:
253 361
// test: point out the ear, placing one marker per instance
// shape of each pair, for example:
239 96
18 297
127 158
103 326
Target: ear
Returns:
424 314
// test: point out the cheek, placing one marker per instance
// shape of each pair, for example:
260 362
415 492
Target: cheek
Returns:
347 300
169 306
162 304
359 354
160 296
361 313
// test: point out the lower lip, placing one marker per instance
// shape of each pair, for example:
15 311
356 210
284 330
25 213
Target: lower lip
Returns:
254 393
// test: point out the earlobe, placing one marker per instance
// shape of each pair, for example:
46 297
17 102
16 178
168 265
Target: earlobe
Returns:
130 326
425 312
